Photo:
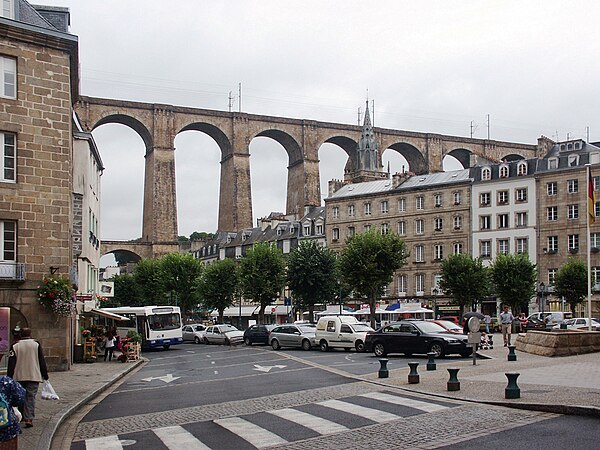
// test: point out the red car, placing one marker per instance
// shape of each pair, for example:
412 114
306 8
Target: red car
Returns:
454 319
449 325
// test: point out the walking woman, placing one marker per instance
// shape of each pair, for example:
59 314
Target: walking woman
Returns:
109 346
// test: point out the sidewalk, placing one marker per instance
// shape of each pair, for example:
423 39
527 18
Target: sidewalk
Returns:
75 388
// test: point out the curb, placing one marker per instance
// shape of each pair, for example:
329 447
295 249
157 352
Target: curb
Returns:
45 440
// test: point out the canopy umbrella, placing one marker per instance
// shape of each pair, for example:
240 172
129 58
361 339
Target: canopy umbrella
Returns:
470 314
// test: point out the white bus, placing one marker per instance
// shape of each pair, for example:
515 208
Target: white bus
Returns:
160 326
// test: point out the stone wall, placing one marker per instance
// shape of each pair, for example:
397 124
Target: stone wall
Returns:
558 343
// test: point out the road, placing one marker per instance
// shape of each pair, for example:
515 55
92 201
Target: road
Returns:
199 396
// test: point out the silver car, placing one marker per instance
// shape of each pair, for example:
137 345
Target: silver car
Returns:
223 334
193 332
289 335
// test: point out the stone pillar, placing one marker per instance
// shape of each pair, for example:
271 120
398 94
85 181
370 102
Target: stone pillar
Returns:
235 199
434 154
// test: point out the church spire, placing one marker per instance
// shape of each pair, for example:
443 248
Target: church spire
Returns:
368 157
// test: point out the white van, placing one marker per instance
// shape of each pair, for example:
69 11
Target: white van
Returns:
554 317
341 332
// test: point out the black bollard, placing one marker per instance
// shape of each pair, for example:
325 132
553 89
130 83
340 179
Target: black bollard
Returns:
453 383
431 361
383 370
512 390
512 356
491 339
413 376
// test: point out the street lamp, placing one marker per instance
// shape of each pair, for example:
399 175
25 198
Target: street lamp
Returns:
542 290
340 295
435 293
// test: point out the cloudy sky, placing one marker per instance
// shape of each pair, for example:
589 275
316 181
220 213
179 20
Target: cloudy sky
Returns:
432 66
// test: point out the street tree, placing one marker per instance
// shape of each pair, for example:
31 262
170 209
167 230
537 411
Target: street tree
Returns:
262 275
368 263
126 292
465 279
180 271
514 279
311 275
149 278
217 286
571 281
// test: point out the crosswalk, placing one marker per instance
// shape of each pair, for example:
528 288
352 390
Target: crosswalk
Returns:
277 426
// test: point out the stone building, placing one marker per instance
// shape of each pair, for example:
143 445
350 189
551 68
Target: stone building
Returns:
39 70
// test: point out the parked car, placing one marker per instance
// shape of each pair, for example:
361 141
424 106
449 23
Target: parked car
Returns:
494 325
341 332
193 332
450 326
454 319
290 335
579 324
416 337
551 317
535 323
223 334
258 334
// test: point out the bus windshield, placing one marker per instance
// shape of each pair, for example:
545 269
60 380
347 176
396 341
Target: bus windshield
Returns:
158 322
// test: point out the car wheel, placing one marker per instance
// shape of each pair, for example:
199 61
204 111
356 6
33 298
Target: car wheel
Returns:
466 354
346 349
323 345
247 341
196 340
227 341
166 347
359 346
275 344
306 344
437 348
379 349
206 341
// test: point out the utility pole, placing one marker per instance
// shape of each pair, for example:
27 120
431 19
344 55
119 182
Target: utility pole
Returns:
488 127
230 100
587 134
359 116
373 121
240 97
472 124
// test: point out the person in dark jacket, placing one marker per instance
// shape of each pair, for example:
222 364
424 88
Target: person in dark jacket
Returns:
26 364
14 395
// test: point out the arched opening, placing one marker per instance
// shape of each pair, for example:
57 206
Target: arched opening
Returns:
512 157
122 151
119 258
450 163
412 159
332 162
461 155
394 161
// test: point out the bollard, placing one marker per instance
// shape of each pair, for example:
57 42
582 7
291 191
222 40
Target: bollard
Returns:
512 356
491 339
453 383
413 376
512 390
383 370
431 361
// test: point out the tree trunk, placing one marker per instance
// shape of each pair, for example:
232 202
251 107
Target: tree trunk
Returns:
311 313
372 301
261 313
220 318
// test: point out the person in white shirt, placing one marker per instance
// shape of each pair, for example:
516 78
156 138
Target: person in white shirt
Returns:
506 320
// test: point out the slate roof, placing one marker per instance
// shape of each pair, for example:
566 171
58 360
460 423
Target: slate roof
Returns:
434 179
29 15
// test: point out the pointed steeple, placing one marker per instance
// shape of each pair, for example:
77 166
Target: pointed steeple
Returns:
368 157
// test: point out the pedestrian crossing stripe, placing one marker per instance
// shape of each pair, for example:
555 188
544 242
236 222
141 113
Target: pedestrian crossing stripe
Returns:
179 437
317 424
403 401
257 436
368 413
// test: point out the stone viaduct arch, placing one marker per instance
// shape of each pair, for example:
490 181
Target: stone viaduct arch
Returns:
158 125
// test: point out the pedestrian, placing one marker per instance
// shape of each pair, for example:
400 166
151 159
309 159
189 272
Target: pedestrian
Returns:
506 320
487 320
522 322
109 345
11 394
26 364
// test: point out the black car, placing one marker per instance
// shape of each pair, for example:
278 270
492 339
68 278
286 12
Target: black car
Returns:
421 336
258 334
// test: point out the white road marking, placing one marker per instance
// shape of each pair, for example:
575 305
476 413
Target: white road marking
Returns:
179 437
267 368
257 436
216 372
411 403
104 443
367 413
318 424
212 362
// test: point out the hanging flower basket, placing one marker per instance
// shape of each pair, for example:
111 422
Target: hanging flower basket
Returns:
56 294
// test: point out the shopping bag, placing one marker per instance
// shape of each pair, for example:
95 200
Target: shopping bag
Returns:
48 392
17 413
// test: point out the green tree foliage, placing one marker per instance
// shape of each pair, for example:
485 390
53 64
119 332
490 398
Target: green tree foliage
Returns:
514 279
180 271
217 286
262 275
311 274
126 292
571 282
368 263
149 277
465 279
196 236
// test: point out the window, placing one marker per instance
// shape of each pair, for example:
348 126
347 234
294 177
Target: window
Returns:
367 227
596 181
419 253
8 9
7 141
456 196
552 244
438 252
457 248
522 245
419 226
484 199
503 246
8 71
438 200
521 219
573 242
419 203
335 212
595 277
503 171
384 207
319 229
8 241
572 212
402 285
503 197
485 249
350 210
552 163
419 283
335 234
367 209
552 188
572 186
552 276
401 204
402 228
573 160
522 169
552 213
306 232
385 228
351 231
486 173
521 194
439 223
457 222
597 209
595 240
485 222
503 221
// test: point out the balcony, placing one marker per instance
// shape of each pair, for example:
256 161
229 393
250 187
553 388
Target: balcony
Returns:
12 271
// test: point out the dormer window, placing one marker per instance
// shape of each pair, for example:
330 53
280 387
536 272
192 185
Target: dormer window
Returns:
522 169
573 160
552 163
279 231
503 171
486 173
306 230
8 9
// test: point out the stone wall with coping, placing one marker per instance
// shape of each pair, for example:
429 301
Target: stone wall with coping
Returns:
559 342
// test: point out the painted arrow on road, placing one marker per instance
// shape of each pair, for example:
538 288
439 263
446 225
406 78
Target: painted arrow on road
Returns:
166 378
267 368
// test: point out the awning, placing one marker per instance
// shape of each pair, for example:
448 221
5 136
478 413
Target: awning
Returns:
107 314
234 311
278 310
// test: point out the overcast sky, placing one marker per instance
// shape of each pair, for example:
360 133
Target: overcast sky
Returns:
431 66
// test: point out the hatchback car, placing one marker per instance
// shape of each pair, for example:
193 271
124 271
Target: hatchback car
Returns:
301 335
410 337
223 334
193 332
257 334
578 324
